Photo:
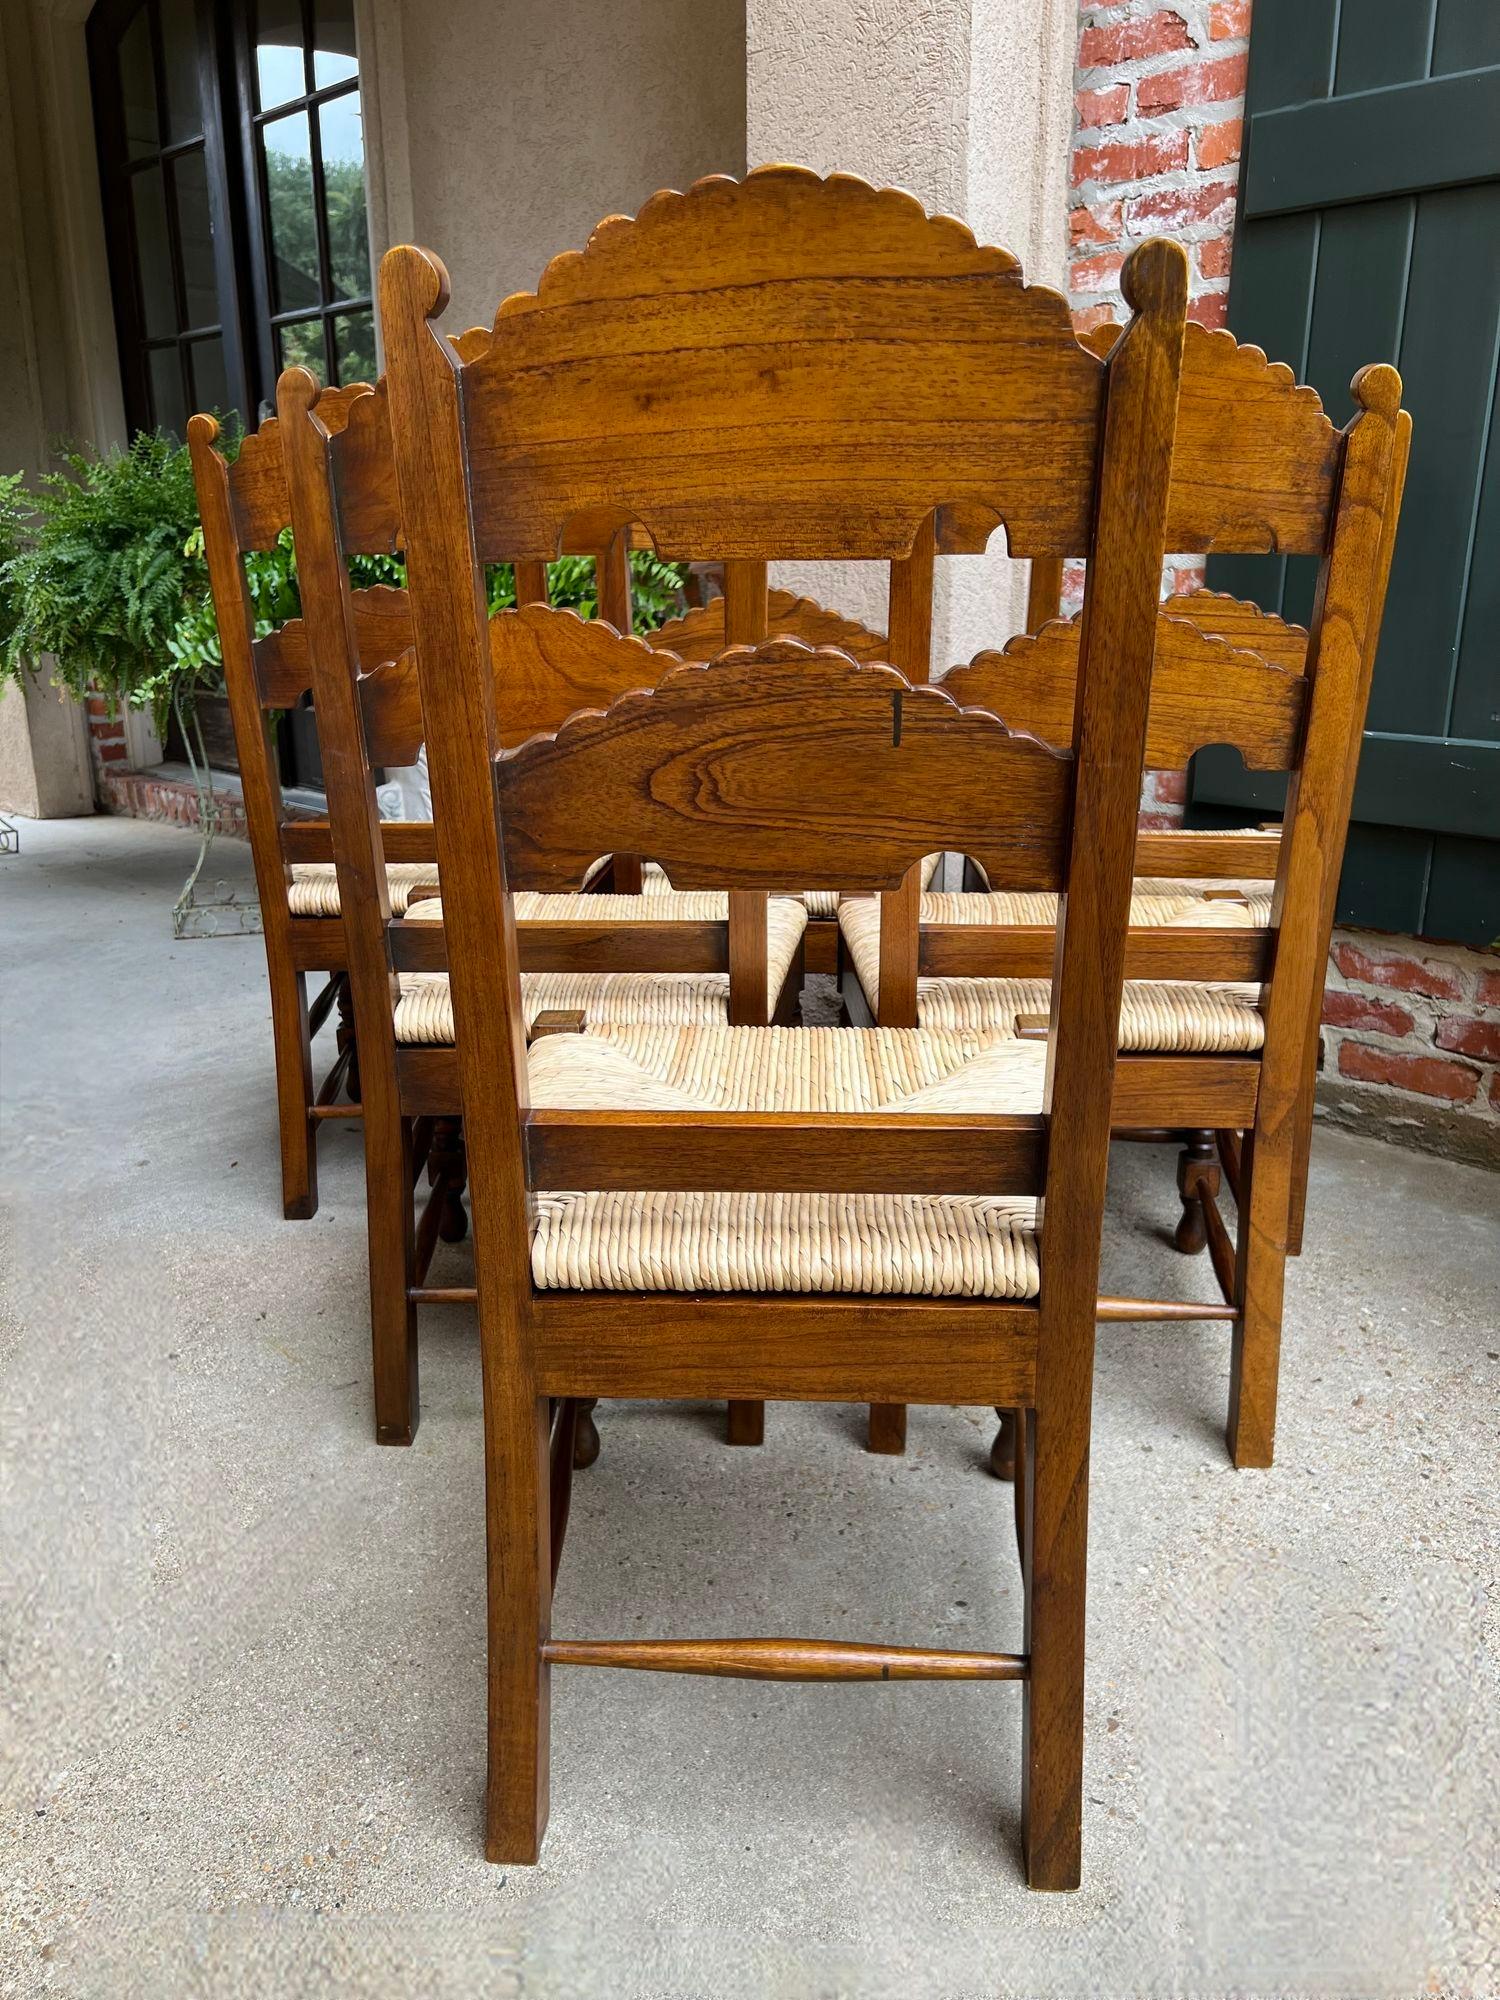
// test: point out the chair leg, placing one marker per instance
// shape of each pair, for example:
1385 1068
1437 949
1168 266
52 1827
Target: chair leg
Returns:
345 1039
1054 1521
1197 1169
747 1423
1266 1175
519 1561
447 1164
294 1095
393 1255
1003 1450
887 1431
586 1435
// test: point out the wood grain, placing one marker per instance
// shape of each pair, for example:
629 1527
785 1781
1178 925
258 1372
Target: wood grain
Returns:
779 321
780 767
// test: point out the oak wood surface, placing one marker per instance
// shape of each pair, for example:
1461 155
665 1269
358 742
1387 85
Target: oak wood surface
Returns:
781 766
786 1659
738 1347
765 430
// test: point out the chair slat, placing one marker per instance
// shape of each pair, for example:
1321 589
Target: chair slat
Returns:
699 634
781 766
1203 691
767 430
786 1152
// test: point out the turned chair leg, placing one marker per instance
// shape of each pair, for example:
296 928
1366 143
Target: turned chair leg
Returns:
1197 1174
585 1435
391 1228
887 1432
747 1423
519 1563
345 1039
294 1095
1003 1450
447 1165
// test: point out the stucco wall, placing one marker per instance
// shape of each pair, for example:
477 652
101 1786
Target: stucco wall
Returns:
526 123
49 354
969 105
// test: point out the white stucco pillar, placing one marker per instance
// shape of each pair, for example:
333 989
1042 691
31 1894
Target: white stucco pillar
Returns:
969 105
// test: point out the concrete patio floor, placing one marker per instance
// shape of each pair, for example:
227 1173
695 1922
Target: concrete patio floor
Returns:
243 1646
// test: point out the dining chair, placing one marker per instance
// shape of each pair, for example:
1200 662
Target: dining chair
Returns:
784 367
664 959
1241 976
244 505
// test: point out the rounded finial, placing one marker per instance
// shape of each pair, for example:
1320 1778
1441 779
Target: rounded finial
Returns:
1155 276
296 391
1378 387
420 276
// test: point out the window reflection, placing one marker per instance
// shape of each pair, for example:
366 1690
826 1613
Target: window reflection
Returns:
354 342
153 251
289 197
301 346
179 62
279 67
195 236
138 87
342 133
333 51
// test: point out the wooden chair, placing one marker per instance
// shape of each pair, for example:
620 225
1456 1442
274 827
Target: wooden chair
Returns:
671 959
244 506
724 371
1287 701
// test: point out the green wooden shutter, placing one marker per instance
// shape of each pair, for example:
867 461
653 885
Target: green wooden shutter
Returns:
1369 230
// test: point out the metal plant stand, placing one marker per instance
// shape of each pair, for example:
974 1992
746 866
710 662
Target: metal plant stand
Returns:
223 912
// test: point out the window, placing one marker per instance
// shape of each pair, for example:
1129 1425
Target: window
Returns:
231 160
162 169
309 172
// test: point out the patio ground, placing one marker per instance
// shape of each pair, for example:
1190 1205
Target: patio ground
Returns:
243 1647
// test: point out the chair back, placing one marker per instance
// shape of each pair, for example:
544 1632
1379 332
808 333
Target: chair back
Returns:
783 367
1225 673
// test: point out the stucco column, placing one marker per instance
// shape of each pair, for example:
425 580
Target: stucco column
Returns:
967 103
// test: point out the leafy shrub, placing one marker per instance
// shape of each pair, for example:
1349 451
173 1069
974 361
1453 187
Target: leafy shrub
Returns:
102 566
104 576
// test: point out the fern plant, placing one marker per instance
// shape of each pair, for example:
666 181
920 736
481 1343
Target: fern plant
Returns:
104 578
102 567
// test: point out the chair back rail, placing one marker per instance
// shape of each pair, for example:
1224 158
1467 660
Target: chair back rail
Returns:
771 393
1203 691
781 764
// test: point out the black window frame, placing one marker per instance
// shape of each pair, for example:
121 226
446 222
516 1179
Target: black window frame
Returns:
106 29
253 119
249 322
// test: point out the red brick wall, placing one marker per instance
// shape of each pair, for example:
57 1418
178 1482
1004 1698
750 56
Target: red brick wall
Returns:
1156 147
1411 1040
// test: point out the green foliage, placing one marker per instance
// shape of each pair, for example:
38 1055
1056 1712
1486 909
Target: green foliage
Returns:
104 576
15 519
102 566
655 587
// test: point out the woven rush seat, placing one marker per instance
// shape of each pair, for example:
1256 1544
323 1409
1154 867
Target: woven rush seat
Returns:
424 1009
1168 1017
314 887
887 1244
821 903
